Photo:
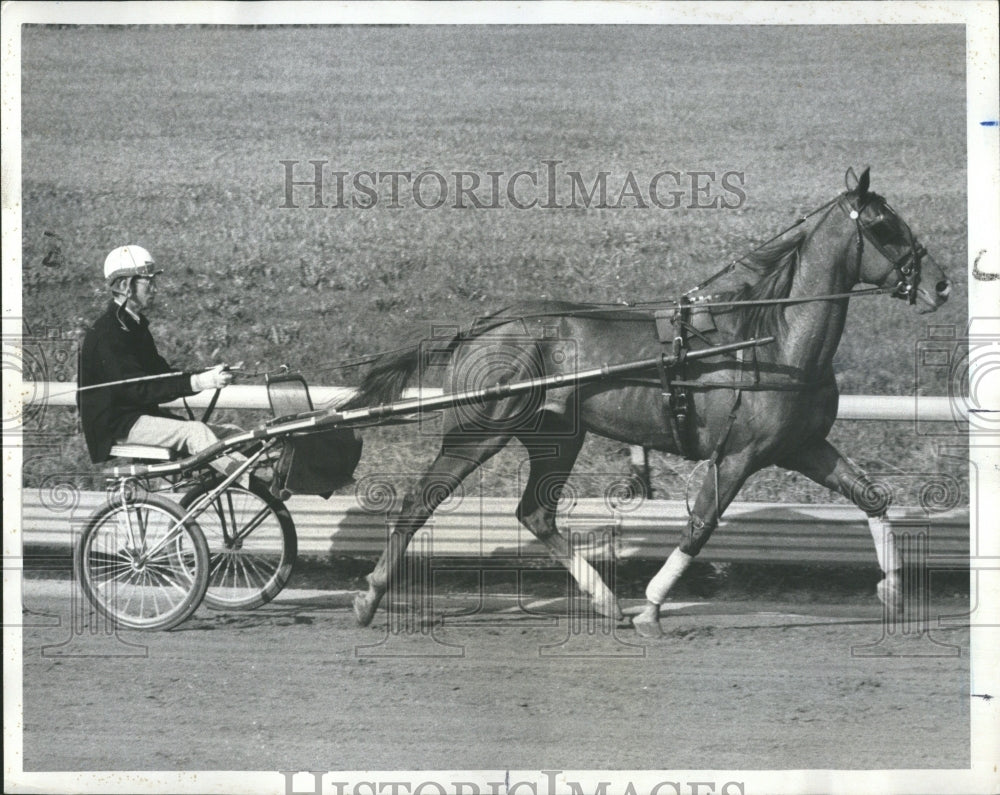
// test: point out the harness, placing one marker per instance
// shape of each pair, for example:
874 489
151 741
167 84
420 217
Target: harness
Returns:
678 330
690 319
674 330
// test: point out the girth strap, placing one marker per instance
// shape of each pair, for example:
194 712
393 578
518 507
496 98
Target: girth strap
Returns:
713 460
730 420
671 329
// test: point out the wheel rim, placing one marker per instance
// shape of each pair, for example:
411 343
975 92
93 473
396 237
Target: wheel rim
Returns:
247 546
140 568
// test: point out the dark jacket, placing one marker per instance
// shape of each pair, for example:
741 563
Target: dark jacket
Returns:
118 347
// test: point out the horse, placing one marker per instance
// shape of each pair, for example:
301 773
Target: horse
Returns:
774 407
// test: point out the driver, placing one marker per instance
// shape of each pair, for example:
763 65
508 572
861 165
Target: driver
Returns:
119 347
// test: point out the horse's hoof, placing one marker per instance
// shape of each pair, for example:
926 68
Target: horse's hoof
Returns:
890 593
365 607
604 603
607 608
647 628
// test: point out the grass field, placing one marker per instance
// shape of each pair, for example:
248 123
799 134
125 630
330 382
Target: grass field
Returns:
172 137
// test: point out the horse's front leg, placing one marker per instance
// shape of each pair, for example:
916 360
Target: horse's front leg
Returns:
714 496
823 463
551 461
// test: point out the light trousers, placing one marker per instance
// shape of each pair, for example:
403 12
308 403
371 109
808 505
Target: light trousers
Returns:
184 435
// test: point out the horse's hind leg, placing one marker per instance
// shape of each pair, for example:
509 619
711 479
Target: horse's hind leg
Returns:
452 465
551 461
823 463
717 490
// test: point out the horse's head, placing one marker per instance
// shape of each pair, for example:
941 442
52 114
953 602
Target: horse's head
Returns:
892 258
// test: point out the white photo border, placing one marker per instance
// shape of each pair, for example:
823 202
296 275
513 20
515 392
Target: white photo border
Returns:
980 20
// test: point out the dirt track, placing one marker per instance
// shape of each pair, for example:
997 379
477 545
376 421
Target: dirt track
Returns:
290 687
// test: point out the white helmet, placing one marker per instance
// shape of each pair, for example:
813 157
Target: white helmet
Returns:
129 261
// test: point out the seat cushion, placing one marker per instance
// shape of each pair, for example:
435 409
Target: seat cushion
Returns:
141 452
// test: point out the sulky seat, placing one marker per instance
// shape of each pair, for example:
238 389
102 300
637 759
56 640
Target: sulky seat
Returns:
142 452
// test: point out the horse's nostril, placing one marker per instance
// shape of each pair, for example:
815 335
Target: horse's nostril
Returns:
943 288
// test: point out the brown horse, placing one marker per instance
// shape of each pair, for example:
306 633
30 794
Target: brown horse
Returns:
773 407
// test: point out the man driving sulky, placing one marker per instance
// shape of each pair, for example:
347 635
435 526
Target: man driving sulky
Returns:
119 352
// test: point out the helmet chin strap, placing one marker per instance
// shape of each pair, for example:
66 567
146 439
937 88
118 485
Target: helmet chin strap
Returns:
125 294
122 297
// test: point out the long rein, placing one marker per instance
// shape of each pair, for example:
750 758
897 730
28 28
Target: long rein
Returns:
497 319
707 301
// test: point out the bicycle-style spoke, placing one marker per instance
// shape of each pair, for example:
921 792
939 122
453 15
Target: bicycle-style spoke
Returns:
218 561
226 534
226 573
253 524
261 567
129 593
166 585
143 522
234 568
251 542
153 584
176 529
102 567
118 580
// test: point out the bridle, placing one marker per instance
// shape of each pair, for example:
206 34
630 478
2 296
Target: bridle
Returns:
904 276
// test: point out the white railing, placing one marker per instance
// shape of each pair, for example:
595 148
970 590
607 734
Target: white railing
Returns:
241 396
486 528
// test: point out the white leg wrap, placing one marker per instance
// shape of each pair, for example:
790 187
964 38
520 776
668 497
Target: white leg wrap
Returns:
586 576
665 578
637 456
885 543
590 582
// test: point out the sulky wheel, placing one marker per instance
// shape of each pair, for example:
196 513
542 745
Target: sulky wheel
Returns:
251 540
140 565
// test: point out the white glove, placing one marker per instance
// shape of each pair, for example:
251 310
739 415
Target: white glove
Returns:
216 378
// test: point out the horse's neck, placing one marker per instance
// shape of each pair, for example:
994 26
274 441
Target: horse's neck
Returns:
815 327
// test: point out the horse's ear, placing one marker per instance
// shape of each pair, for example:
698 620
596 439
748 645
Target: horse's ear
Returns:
863 180
856 184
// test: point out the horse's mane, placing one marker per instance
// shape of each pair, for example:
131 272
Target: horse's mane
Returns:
776 263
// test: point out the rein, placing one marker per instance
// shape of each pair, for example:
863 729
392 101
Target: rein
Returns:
906 270
906 266
771 301
732 265
644 306
236 369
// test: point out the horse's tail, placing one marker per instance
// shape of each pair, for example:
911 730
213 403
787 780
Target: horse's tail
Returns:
389 376
392 371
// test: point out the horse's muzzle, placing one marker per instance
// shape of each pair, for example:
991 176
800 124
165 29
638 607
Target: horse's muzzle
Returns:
933 288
